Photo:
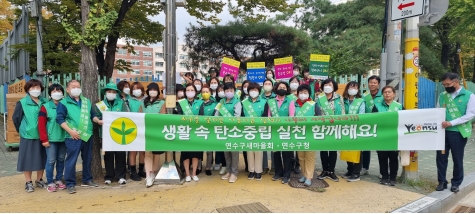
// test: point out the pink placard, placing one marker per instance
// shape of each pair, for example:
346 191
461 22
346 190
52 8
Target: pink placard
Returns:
284 71
228 69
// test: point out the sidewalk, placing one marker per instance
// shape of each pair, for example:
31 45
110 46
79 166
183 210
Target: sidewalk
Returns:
468 201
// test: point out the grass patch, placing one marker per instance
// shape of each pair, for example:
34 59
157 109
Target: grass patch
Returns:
423 184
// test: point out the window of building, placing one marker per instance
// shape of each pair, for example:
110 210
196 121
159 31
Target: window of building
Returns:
182 65
159 72
120 71
147 72
159 55
147 54
136 72
159 64
134 62
147 63
137 53
183 56
122 52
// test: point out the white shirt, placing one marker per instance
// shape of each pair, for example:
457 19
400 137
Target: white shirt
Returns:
469 113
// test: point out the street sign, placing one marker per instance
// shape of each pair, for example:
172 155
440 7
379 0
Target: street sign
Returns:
434 11
403 9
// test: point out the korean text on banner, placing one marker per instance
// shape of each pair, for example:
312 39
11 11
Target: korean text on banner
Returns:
284 68
402 130
229 66
256 71
319 66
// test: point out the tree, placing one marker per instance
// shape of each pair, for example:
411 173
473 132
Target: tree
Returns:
6 19
245 42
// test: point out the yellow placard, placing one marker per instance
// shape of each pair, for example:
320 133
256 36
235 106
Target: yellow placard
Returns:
319 58
231 62
282 61
251 65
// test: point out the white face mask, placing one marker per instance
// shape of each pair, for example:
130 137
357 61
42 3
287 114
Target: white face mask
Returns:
198 87
76 92
35 93
269 76
111 96
328 89
153 93
137 92
294 86
267 88
254 94
352 92
245 90
221 94
296 73
180 94
56 95
126 90
303 97
190 94
213 86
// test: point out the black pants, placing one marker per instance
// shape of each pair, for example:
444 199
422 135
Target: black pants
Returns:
115 163
283 164
392 157
455 143
366 159
220 159
244 154
295 160
355 168
328 160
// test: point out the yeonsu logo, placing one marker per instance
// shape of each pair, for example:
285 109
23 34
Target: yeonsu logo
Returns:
421 128
123 131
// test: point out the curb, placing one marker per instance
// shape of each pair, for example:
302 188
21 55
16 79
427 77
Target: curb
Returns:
440 202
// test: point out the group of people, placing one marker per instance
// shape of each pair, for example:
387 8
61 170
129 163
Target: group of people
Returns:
53 132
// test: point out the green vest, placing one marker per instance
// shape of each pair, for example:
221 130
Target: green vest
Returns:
461 101
229 105
347 105
29 122
258 107
195 106
134 104
74 113
263 96
153 108
378 98
336 104
209 107
55 132
308 113
384 107
284 108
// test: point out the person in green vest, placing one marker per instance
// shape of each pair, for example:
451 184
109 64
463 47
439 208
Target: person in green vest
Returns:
209 105
388 104
220 159
459 104
114 161
213 85
331 103
371 97
213 73
305 107
354 104
245 95
52 137
75 115
313 83
32 153
188 77
230 79
270 75
190 106
281 106
180 91
296 71
294 84
230 107
253 106
267 89
198 85
267 94
138 95
152 104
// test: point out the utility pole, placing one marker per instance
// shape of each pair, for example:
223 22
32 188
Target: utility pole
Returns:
39 40
411 78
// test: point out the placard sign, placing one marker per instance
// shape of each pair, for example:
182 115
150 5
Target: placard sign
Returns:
229 66
256 71
319 66
284 68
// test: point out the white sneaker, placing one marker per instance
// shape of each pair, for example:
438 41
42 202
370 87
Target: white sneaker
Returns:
364 171
195 178
188 179
380 176
223 170
149 180
108 182
122 181
216 167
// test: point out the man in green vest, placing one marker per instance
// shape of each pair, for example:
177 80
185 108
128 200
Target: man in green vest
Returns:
75 115
370 97
460 110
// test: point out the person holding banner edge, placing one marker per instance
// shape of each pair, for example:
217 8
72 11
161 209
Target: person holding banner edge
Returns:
208 110
281 106
460 110
75 115
245 95
138 92
230 107
354 104
267 94
306 107
388 104
331 104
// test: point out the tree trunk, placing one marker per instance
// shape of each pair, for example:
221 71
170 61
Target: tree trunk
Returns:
444 38
100 58
456 64
88 71
473 76
109 62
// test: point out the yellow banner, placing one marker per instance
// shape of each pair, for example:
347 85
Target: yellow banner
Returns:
319 58
251 65
282 61
231 62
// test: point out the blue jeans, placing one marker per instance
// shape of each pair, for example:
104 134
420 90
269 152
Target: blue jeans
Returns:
55 154
265 160
455 143
73 148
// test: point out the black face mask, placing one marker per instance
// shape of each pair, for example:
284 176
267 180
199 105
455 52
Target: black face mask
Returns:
281 92
450 89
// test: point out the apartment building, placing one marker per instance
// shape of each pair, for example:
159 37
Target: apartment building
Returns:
141 62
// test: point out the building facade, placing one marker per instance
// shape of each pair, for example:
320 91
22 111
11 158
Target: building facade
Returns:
141 62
